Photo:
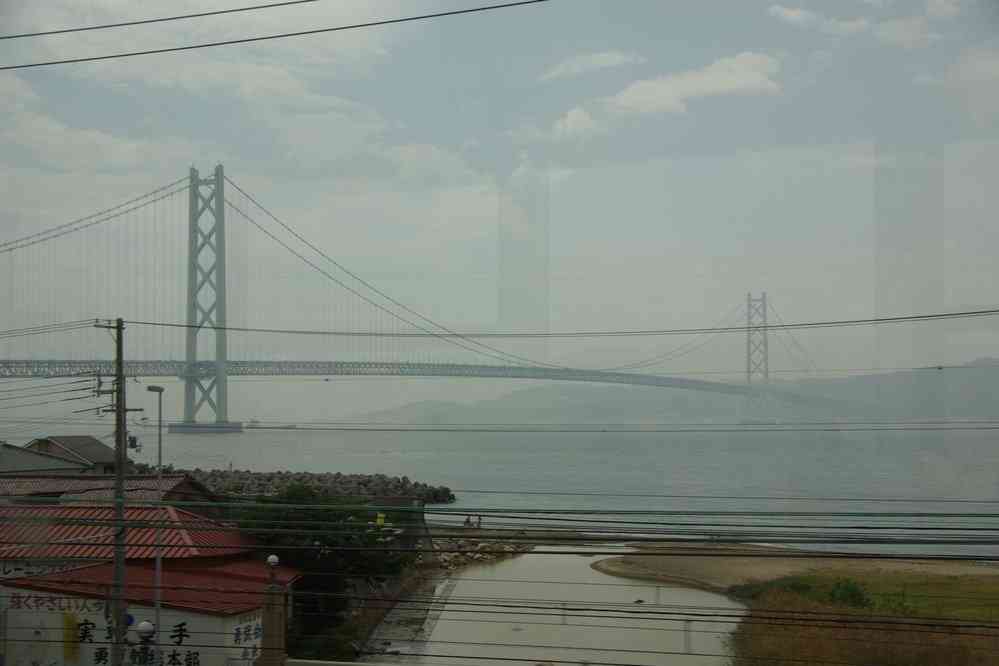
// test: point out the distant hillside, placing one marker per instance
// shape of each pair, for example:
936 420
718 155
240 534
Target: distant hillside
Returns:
967 391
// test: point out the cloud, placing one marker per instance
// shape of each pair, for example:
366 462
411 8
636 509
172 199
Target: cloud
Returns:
591 62
744 74
926 79
53 144
844 27
794 15
804 18
975 78
576 122
943 9
907 32
16 91
910 32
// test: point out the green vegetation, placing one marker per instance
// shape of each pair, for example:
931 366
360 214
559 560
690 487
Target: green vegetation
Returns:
330 546
888 619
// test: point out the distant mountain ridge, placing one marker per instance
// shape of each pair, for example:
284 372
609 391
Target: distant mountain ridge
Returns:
965 391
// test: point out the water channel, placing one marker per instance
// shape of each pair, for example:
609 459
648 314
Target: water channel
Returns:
540 608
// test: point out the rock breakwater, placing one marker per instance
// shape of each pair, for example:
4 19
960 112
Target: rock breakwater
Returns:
245 482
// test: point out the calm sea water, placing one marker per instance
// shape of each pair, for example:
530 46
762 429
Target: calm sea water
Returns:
917 465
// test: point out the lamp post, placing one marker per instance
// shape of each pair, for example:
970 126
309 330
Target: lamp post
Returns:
158 573
272 643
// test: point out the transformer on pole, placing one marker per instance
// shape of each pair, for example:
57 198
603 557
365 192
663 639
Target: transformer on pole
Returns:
205 382
757 349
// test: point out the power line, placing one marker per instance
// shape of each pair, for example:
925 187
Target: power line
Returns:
767 498
832 323
275 503
35 388
533 602
626 424
179 17
679 351
46 393
666 534
501 530
283 35
46 328
49 402
746 429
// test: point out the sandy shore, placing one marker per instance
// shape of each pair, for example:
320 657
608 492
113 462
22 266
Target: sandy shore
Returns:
718 573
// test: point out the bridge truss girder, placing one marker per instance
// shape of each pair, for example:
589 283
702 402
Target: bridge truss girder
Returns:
158 368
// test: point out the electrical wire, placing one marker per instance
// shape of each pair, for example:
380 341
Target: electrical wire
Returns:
543 603
48 402
262 38
647 537
860 620
277 504
33 388
164 19
679 351
45 393
537 429
832 323
45 329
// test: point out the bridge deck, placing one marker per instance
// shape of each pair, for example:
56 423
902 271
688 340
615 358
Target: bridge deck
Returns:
152 368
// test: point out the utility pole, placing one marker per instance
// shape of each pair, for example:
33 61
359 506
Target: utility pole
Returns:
120 461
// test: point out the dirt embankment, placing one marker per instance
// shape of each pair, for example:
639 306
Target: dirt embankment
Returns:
718 567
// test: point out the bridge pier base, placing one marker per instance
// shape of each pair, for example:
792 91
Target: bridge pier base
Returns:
196 428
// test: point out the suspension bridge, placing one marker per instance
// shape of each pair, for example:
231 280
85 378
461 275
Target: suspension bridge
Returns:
183 288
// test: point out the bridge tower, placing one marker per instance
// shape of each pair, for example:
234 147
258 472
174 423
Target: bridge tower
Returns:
205 382
757 347
759 406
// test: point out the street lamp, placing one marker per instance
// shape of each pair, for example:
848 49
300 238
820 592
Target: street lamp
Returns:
272 562
145 630
158 574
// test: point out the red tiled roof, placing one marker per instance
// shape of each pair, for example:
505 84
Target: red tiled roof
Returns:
87 532
93 486
219 589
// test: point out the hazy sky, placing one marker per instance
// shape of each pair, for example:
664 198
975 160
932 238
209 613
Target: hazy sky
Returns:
695 151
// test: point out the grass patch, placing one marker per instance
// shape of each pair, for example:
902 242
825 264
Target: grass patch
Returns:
895 593
883 618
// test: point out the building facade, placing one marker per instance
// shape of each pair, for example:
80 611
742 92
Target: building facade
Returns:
211 615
